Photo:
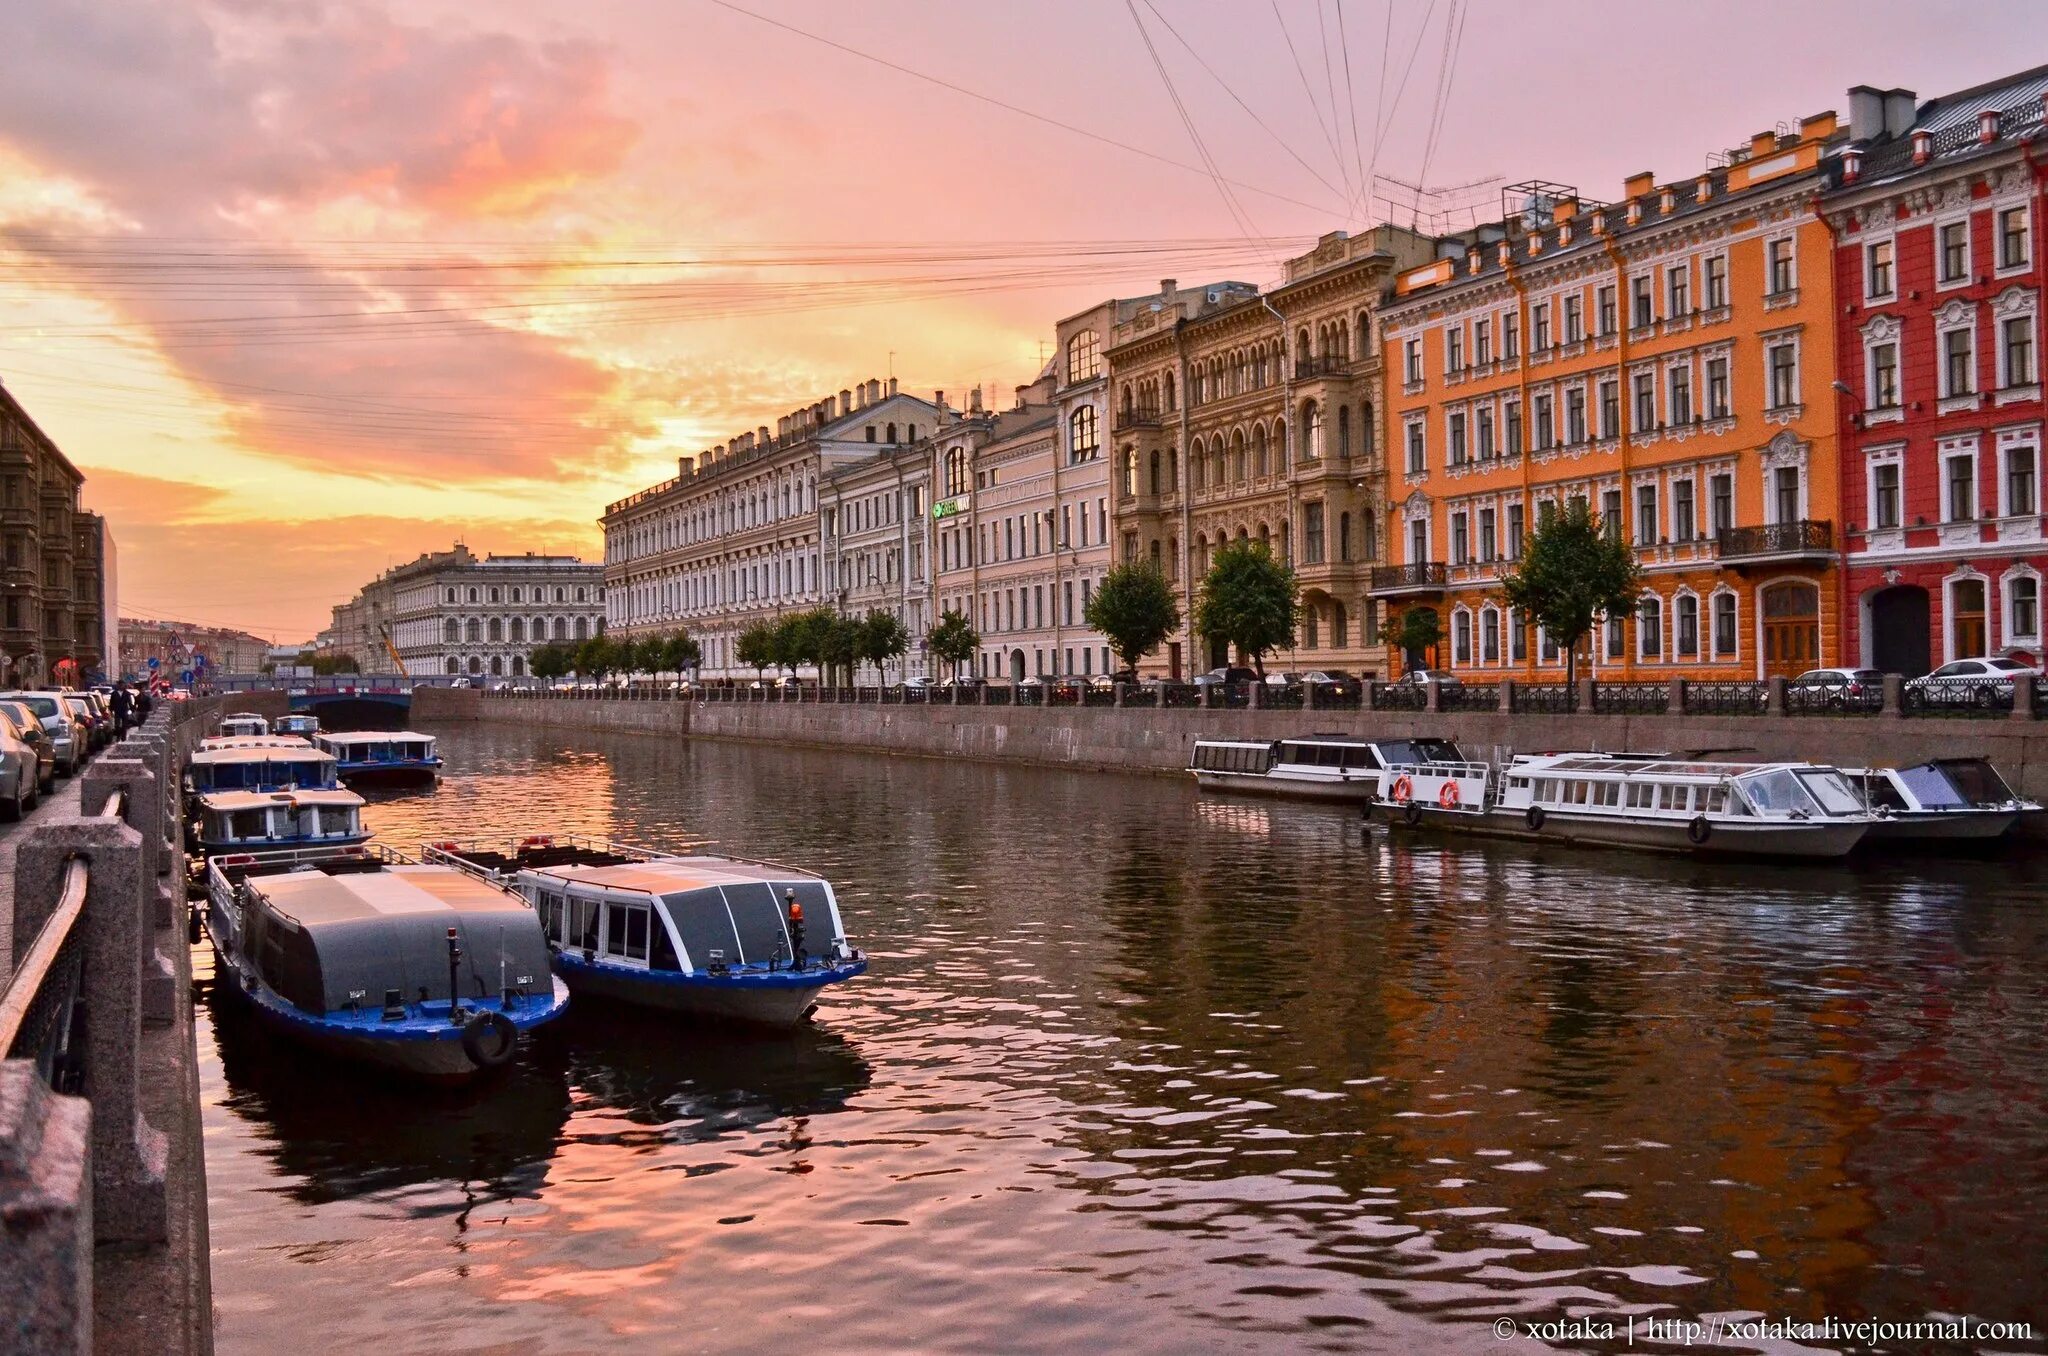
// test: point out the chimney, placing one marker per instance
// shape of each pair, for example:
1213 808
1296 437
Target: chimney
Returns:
874 390
1564 209
1600 222
1169 288
683 465
1819 127
974 401
1667 201
892 386
1866 113
1987 126
1507 253
1638 184
1899 105
845 403
1472 259
761 440
1763 143
1703 188
939 399
1923 145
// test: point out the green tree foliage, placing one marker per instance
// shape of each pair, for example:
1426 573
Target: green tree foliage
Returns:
550 661
599 656
1571 573
1134 609
881 638
953 640
1417 634
680 652
1250 600
757 648
838 642
325 665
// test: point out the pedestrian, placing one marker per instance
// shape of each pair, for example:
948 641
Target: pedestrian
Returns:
124 709
143 702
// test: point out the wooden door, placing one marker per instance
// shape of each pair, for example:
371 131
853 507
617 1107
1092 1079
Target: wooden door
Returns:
1966 618
1791 614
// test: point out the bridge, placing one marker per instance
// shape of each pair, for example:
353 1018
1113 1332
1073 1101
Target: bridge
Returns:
344 702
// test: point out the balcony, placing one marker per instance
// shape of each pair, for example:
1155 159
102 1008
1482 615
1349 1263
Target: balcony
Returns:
1328 365
1127 420
1418 577
1776 543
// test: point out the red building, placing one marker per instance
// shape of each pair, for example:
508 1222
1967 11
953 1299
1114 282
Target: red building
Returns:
1938 224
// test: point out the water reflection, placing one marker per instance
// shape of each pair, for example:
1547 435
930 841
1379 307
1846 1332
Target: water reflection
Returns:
1138 1071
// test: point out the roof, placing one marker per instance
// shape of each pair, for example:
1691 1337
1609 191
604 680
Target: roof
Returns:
369 736
262 753
1952 118
1595 763
312 898
266 741
671 875
229 801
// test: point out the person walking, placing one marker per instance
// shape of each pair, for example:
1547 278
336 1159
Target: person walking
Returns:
124 709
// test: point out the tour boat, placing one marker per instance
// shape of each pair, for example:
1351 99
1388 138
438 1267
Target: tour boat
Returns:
303 727
243 723
1656 801
1944 799
1322 767
361 953
257 763
711 936
383 756
258 821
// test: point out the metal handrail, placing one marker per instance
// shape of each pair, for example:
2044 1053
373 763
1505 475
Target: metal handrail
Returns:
27 981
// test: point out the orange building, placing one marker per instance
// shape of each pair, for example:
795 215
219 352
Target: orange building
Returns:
1667 358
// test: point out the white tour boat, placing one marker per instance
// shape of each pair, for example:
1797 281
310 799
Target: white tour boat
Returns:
1659 802
304 727
243 723
713 936
381 756
1320 767
264 821
1944 799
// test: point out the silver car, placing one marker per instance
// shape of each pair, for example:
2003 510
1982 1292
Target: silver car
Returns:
20 772
49 708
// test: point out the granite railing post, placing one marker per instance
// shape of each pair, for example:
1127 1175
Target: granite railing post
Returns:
129 1155
1774 696
102 781
1583 697
2023 698
1506 705
1120 694
1674 704
46 1201
1894 695
1433 697
1365 694
1256 701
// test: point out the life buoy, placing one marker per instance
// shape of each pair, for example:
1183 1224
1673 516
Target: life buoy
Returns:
1699 830
1448 797
1534 818
489 1039
1411 814
1403 789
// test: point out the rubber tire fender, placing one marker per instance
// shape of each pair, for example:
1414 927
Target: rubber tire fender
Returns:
1534 818
1698 831
1411 814
489 1039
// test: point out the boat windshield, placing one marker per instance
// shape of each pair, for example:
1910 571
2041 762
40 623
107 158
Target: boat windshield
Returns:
1419 752
1931 787
1777 792
1832 790
1976 781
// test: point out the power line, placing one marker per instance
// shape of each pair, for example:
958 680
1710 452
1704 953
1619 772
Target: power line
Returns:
1351 98
1329 139
1454 38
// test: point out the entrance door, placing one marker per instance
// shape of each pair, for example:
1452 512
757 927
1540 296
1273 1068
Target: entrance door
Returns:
1900 638
1966 618
1173 660
1791 615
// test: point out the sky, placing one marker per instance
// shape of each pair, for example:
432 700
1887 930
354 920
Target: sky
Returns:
308 287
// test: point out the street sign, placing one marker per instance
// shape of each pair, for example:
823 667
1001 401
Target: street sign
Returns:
154 661
184 675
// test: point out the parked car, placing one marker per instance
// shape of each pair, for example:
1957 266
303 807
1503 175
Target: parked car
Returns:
92 728
966 681
1420 677
924 683
66 740
30 731
1225 675
21 769
1837 688
1332 682
1970 682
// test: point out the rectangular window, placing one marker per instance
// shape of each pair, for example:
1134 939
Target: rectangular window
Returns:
1954 262
1312 534
1417 456
1575 415
1679 400
1687 612
1489 638
1511 335
1721 503
1877 269
1650 628
1487 540
1962 488
1574 318
1784 371
1610 408
1603 301
1454 450
2025 597
1412 362
1485 432
1482 340
1646 402
1539 326
2019 481
1646 515
1884 376
1724 625
1518 639
1678 290
1958 363
1454 348
1717 281
1515 515
1684 524
1644 303
1610 513
1785 493
1514 430
2014 249
1617 643
1782 279
1545 428
1461 540
1717 388
1884 495
2016 336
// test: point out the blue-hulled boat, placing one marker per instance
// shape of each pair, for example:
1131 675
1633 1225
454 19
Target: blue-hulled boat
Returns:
256 763
711 936
363 954
300 727
265 821
381 757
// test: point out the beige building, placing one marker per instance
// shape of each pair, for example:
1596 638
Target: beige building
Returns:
180 647
1240 415
736 536
877 539
450 614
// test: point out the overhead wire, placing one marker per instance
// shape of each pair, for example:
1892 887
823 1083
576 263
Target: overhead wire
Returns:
1329 137
1351 98
1454 37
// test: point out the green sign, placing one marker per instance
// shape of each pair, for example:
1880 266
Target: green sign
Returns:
948 508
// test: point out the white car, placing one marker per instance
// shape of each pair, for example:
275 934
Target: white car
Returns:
49 708
1985 682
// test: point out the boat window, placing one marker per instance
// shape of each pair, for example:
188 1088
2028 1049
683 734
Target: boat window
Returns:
1975 780
1832 790
583 924
1777 792
1717 800
549 905
1610 793
703 925
757 914
625 931
664 953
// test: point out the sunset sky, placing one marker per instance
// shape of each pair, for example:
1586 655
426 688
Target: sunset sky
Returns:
306 287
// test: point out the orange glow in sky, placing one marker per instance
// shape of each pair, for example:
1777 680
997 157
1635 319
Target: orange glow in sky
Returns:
307 289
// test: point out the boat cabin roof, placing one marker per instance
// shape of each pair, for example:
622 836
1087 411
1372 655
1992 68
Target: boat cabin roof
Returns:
373 737
1235 743
314 898
253 741
293 751
230 801
669 875
1600 765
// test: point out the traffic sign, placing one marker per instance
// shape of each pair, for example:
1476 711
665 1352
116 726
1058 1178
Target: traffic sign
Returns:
154 661
184 675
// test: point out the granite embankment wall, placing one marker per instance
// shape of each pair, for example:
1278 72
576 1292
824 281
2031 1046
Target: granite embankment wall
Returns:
1152 740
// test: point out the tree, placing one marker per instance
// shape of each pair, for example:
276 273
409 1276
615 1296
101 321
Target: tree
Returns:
953 640
549 661
598 656
1135 610
680 651
883 637
338 662
838 641
756 647
1572 572
1417 633
1250 600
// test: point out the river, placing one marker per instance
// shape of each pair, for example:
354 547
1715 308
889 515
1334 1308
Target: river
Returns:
1139 1071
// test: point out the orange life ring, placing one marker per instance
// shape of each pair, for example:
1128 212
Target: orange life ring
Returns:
1403 788
1448 797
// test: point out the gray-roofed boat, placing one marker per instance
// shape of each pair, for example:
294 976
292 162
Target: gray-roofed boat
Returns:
1954 800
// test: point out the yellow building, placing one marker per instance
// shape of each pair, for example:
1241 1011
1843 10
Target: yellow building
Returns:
1668 359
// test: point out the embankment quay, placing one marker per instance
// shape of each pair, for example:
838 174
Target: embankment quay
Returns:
1100 729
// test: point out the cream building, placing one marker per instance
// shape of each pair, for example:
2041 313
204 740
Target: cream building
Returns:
877 537
450 614
736 537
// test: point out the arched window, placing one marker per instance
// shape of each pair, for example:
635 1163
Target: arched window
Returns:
1340 626
497 631
956 472
1130 460
1172 470
1461 637
472 631
515 630
1489 635
1155 471
561 628
1300 351
1343 430
1084 434
1312 421
497 666
1369 543
1366 428
1237 454
892 433
1364 334
1169 390
1084 356
451 632
1311 626
583 628
451 595
1344 539
1197 463
1685 638
1259 458
475 665
518 666
454 665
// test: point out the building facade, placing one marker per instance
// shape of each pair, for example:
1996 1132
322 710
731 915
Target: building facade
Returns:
735 537
44 621
1939 218
877 554
182 647
96 587
1667 359
450 614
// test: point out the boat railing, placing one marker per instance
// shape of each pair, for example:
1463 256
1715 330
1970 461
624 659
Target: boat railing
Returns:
232 868
461 854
